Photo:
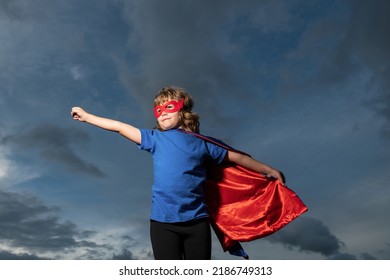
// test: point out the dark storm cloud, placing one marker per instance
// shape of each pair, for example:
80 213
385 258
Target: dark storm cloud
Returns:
312 235
175 45
308 234
338 50
341 45
124 255
54 144
190 44
5 255
10 8
26 223
368 41
20 9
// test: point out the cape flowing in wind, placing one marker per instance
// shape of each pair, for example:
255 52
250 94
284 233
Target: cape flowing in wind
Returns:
245 205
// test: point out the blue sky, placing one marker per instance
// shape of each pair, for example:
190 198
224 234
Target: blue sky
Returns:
300 85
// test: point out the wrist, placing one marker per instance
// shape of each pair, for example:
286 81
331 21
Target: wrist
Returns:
87 117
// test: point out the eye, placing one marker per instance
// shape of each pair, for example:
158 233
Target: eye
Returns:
170 106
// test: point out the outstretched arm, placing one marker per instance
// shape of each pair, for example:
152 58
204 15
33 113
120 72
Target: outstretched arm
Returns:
130 132
250 163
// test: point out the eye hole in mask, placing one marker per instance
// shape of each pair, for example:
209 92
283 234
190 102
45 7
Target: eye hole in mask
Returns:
168 107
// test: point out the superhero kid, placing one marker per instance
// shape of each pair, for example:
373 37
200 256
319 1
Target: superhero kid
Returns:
192 184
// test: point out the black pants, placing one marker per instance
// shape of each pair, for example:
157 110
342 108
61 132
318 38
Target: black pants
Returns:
177 241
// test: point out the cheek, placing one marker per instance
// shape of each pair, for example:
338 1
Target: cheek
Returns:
176 116
159 120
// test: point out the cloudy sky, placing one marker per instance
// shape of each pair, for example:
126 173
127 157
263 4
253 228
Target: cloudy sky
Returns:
300 85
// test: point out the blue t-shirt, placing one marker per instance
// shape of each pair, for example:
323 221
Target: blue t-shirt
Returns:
179 173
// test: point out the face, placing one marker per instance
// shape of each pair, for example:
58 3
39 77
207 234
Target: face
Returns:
167 114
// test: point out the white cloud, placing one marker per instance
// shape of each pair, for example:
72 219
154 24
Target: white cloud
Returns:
77 72
4 165
12 172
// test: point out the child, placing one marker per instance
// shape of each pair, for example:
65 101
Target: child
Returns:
179 225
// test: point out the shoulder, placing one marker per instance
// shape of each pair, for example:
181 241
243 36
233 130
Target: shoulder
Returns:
158 135
214 147
149 132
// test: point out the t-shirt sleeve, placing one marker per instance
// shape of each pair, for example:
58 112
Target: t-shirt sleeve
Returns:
147 140
216 152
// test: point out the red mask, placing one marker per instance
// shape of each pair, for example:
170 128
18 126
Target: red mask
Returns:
168 107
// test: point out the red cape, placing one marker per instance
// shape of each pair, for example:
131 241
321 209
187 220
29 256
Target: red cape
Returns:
244 205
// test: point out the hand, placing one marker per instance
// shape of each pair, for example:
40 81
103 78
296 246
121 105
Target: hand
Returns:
277 175
78 114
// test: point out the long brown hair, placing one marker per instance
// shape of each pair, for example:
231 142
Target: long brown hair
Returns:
189 119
